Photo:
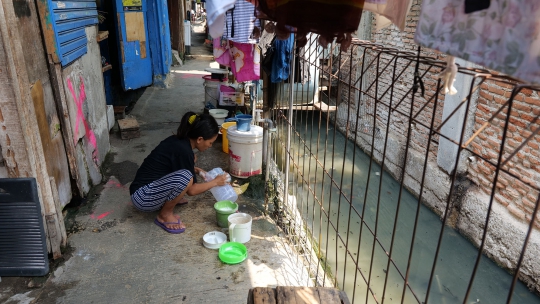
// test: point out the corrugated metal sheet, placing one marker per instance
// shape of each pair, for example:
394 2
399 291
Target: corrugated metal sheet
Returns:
69 20
23 248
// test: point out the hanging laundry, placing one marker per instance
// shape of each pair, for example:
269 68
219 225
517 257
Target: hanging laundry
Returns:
329 18
215 15
282 59
241 24
389 11
245 61
304 59
505 37
221 51
448 76
472 6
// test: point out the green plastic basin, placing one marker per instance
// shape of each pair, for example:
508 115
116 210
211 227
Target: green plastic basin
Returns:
232 253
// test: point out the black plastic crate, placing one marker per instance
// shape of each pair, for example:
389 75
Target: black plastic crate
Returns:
23 248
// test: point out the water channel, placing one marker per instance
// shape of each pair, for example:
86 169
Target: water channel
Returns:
456 258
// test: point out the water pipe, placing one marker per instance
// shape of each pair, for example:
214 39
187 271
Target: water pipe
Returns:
268 127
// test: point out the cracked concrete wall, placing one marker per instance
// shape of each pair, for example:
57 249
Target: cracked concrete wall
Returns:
85 98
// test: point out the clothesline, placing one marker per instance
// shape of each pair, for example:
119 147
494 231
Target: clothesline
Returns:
503 35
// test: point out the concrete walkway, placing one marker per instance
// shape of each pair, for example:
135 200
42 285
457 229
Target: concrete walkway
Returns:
118 255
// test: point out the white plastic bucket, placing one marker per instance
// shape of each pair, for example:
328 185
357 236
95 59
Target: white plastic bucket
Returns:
219 115
239 227
245 151
211 89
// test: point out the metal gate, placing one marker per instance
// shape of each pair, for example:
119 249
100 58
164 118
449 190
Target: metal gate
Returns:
398 193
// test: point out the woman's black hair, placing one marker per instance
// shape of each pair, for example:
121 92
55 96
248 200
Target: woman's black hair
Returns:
194 126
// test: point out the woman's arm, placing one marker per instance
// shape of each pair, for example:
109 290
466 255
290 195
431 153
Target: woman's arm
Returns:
198 188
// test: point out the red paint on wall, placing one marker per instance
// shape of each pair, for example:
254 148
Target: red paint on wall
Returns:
79 99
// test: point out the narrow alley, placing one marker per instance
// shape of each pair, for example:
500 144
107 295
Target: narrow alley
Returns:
117 254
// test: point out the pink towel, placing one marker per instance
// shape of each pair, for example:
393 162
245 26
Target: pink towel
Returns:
221 51
245 61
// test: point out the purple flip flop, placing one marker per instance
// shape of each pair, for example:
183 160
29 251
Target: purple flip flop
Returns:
169 230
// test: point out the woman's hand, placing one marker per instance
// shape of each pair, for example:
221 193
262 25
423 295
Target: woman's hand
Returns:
221 180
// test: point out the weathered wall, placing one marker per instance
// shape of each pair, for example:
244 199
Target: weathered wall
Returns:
514 199
86 106
3 169
513 192
26 114
11 133
43 98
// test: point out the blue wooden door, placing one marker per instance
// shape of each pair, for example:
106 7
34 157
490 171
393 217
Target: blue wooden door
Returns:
133 48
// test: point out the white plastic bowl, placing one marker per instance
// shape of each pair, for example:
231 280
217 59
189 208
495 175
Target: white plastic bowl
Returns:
219 115
214 239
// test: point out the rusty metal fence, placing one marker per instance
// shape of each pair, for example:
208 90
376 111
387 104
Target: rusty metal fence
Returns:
393 192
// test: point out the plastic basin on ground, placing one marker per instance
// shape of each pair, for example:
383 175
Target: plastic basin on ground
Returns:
232 253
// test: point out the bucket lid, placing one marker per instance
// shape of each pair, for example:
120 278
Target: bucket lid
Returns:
254 131
232 253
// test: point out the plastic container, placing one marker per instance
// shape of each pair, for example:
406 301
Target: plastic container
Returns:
239 227
245 151
221 193
211 89
232 253
219 115
224 140
223 210
214 239
243 122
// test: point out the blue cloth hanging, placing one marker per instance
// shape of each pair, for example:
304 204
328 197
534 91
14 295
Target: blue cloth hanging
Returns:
282 59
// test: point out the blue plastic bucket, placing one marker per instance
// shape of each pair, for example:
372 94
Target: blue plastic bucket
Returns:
243 122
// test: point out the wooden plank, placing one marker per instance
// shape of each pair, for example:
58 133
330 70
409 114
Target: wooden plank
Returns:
59 214
45 17
250 296
31 160
328 295
130 134
135 26
322 106
263 295
102 35
142 47
307 295
52 225
285 295
65 122
106 68
128 124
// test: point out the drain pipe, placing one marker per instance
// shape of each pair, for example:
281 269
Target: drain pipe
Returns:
268 134
268 126
289 126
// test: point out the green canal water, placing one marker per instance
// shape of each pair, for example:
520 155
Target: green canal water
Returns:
457 255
